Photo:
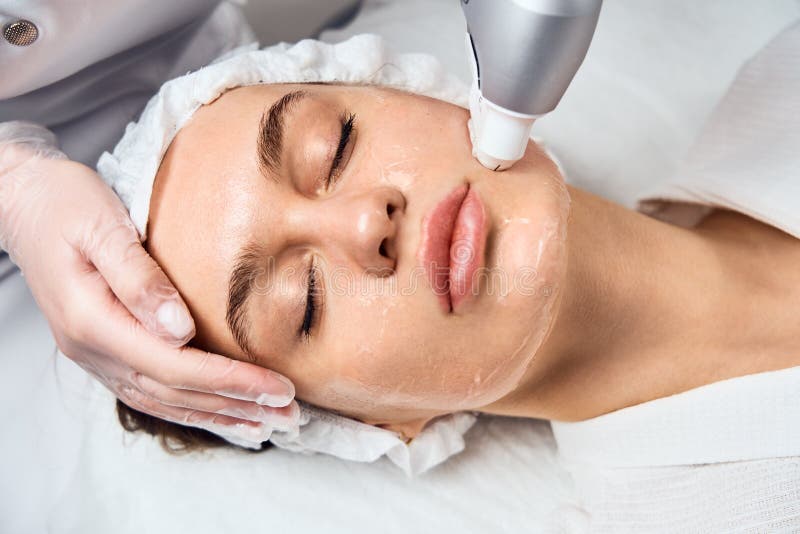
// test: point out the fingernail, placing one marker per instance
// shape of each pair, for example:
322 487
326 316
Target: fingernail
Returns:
281 399
174 319
286 423
286 427
257 433
265 415
242 434
275 401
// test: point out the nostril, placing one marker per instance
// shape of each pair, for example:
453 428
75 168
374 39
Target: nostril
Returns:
382 249
389 209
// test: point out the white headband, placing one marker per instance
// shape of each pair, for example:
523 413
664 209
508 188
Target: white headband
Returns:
362 60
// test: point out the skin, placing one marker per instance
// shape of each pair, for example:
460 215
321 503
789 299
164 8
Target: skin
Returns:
651 309
622 308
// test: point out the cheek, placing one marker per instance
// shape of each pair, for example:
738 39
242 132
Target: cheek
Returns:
413 143
395 359
397 165
378 358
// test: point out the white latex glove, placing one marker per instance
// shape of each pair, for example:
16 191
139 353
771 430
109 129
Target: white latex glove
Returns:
111 308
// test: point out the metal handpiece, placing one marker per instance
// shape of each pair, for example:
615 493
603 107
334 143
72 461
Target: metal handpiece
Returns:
525 54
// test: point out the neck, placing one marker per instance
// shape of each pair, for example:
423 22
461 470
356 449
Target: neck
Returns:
648 310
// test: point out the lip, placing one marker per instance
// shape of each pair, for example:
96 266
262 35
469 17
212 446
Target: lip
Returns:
452 246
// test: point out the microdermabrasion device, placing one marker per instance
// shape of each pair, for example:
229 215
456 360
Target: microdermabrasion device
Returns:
524 54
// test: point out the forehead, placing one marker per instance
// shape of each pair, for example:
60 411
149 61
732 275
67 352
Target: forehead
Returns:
203 198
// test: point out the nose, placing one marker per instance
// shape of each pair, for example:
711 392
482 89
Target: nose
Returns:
361 225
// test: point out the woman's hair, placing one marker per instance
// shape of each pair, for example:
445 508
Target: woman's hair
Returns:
174 438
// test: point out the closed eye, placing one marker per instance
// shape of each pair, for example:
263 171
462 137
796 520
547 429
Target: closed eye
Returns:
312 305
348 127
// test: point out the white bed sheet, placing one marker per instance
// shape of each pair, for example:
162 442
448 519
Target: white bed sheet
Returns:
654 72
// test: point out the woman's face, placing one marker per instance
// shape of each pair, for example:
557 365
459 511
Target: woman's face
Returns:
324 256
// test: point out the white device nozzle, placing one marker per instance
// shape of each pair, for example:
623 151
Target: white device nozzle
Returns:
499 136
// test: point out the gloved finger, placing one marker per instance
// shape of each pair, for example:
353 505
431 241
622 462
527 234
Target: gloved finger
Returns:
187 368
35 138
199 370
285 418
240 430
117 333
114 248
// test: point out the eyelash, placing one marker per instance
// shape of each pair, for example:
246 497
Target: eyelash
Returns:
348 127
313 294
312 303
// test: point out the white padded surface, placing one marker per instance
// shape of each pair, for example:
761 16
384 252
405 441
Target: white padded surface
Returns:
42 413
656 69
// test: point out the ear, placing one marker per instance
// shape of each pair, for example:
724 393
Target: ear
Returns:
409 429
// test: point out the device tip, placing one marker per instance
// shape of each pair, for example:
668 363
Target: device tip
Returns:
499 136
492 163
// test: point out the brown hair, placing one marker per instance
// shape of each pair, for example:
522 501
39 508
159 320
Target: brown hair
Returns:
174 438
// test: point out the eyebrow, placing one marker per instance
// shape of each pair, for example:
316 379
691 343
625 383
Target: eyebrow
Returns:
246 268
270 132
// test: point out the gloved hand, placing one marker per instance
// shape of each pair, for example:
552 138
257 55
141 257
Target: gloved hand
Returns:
111 308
